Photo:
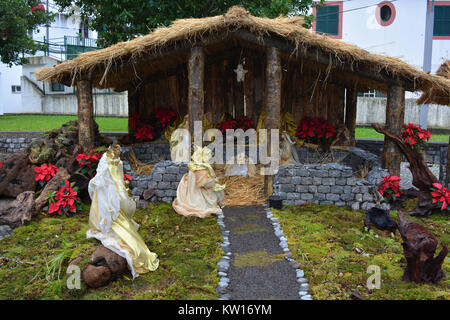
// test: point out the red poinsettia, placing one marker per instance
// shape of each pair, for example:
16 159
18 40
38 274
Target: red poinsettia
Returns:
315 130
389 188
1 164
64 200
87 162
144 133
134 121
415 136
165 116
44 173
244 123
227 124
127 177
442 195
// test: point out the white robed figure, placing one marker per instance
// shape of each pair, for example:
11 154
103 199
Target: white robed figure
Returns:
180 142
111 215
199 192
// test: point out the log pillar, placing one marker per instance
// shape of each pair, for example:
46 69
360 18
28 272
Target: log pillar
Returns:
272 102
133 106
196 98
447 178
85 114
395 115
350 112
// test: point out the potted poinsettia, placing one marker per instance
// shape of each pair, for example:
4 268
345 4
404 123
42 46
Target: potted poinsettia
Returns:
317 131
389 188
44 173
441 196
64 200
88 162
415 136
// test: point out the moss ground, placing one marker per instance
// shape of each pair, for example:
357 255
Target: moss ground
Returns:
334 250
188 249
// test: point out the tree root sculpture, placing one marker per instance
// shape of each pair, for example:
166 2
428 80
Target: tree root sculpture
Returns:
423 178
419 246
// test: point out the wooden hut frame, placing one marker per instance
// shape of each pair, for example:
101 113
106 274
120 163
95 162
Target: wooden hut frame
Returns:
189 66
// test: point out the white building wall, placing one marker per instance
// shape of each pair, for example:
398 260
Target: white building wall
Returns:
9 102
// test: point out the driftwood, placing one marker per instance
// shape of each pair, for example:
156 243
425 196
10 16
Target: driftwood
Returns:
419 246
423 178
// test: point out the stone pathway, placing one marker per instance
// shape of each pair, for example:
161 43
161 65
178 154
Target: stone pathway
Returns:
257 263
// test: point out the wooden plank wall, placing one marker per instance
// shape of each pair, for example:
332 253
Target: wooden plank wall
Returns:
304 92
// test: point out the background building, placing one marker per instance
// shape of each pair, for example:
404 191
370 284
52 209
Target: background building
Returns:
67 36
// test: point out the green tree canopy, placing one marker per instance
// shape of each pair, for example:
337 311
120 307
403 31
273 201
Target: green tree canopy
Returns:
18 19
123 20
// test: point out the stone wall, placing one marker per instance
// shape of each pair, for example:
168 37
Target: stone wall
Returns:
151 152
331 184
11 145
435 152
159 186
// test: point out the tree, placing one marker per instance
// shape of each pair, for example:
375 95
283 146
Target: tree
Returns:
117 21
18 19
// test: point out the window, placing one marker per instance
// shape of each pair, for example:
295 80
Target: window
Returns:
16 89
385 13
441 28
57 87
328 19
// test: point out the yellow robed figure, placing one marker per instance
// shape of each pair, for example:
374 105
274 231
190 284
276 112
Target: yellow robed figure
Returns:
111 215
198 192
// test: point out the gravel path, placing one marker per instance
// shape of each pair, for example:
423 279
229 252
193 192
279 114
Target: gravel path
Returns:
257 264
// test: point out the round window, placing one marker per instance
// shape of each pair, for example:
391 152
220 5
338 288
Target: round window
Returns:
385 13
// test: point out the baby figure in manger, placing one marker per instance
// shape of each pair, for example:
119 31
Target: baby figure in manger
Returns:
110 217
199 192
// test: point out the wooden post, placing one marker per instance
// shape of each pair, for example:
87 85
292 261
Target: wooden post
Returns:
350 112
272 102
85 114
196 99
447 178
395 115
133 106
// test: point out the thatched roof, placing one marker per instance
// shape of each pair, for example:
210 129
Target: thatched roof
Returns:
435 96
115 66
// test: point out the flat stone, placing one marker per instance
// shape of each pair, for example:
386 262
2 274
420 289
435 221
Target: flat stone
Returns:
300 273
302 293
306 297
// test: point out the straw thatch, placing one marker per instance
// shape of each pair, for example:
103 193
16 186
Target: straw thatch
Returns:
436 96
117 65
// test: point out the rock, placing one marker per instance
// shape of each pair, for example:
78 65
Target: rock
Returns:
16 175
5 231
147 194
20 210
116 263
356 296
53 185
96 276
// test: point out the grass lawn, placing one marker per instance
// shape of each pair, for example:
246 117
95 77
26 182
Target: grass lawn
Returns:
45 122
332 247
188 249
371 133
48 122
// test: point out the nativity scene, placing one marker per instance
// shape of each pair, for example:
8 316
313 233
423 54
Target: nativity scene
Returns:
240 77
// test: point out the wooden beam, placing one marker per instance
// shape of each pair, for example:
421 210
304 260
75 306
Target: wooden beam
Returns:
272 102
395 115
447 178
196 75
85 114
350 112
317 55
